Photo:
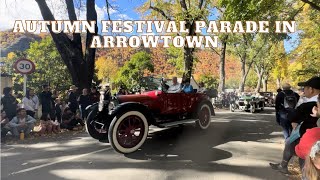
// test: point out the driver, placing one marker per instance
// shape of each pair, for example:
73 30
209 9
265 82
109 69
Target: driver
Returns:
175 87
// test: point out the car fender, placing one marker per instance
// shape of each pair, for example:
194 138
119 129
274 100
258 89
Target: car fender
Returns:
133 106
196 106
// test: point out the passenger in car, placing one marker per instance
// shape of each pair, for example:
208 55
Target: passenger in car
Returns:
202 89
187 88
175 87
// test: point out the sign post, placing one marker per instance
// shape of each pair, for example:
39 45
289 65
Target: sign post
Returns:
24 67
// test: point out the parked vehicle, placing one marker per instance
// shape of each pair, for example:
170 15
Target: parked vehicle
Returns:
124 120
269 98
250 103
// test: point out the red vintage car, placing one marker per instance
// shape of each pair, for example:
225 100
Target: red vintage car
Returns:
124 120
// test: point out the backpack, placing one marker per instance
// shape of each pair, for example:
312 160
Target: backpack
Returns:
290 100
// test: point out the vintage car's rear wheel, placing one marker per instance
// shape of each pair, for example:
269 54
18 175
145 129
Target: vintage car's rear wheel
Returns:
204 115
91 129
128 131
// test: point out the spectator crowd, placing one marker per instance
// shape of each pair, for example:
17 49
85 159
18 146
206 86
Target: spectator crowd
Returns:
298 115
19 114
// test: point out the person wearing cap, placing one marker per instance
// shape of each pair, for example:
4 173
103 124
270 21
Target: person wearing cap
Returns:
282 109
302 116
72 99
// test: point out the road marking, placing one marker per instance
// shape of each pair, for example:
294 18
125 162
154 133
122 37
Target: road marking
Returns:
59 161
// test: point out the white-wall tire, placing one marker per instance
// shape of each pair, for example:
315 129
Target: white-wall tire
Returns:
204 122
113 133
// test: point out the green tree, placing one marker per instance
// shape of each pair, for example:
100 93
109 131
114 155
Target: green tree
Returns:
50 68
175 58
306 55
131 74
209 81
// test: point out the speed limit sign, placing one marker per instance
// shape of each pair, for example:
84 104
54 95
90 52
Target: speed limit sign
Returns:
24 66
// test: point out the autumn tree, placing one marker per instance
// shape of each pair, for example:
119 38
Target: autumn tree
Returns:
106 69
281 63
306 56
160 60
133 71
172 10
245 45
79 61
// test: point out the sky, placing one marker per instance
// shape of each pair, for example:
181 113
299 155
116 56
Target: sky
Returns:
11 10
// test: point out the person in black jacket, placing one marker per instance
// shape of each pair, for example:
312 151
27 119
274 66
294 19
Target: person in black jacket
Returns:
72 99
9 103
84 101
286 101
46 100
303 116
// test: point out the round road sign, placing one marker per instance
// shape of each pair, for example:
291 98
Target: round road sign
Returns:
24 66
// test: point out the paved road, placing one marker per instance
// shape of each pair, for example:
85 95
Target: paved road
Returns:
236 146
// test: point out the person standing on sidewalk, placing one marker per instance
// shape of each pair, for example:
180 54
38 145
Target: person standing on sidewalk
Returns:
31 103
84 101
286 102
72 99
301 120
46 100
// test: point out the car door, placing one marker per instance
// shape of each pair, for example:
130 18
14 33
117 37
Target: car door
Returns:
172 103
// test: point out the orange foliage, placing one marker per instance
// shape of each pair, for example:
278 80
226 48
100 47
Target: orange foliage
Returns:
159 59
208 64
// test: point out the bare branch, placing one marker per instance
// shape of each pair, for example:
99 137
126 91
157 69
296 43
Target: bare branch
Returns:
160 11
183 5
73 17
201 4
108 6
215 51
312 4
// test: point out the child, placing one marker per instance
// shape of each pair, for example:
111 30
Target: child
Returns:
45 124
58 110
70 121
311 169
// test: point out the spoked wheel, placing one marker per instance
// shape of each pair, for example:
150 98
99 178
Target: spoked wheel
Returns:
94 129
204 115
128 131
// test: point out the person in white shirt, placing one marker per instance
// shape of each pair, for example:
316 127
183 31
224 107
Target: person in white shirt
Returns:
21 123
175 87
30 103
202 89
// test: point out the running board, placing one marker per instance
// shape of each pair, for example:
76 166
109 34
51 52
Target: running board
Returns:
175 123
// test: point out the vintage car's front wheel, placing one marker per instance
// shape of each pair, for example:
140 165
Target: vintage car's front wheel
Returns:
90 126
128 131
204 115
252 108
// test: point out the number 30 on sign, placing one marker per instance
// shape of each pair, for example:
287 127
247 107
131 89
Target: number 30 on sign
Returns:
24 66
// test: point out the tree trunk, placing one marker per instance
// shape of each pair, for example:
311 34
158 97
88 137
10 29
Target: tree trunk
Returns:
80 65
222 64
265 84
243 74
259 82
188 61
278 83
